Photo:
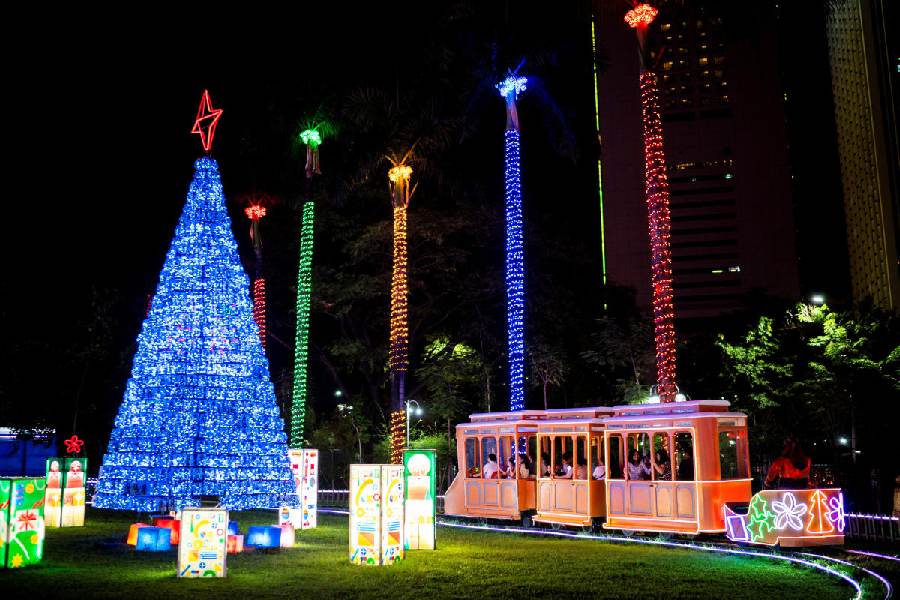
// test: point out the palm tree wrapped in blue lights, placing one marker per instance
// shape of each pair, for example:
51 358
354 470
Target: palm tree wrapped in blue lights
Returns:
510 88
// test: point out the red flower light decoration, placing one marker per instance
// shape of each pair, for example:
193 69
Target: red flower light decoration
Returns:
73 445
641 15
255 212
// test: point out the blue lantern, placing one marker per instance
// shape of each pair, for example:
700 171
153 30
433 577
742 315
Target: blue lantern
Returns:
262 536
154 539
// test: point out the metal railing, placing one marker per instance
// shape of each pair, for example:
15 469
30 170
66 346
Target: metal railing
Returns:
879 528
341 499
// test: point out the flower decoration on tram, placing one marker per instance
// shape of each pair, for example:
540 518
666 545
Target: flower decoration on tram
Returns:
789 512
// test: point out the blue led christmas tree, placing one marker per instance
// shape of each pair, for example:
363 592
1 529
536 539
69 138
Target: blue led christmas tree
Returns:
199 416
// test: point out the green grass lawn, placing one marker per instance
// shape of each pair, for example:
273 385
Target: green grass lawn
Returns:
91 562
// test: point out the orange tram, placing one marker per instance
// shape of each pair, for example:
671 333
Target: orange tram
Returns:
680 468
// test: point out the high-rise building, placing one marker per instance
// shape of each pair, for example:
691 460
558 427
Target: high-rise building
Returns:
864 58
726 151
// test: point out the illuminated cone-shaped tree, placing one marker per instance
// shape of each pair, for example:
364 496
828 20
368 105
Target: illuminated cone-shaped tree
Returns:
510 88
818 514
657 190
398 178
199 416
312 139
255 211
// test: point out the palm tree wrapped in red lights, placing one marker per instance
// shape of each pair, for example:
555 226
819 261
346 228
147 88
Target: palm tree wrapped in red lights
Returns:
657 190
255 209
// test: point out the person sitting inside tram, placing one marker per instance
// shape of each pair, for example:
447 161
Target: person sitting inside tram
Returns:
600 472
565 469
491 468
524 466
791 469
545 464
646 467
510 471
663 466
581 469
635 470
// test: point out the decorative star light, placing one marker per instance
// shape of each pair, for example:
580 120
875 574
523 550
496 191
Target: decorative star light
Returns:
311 137
207 119
400 172
788 512
836 513
255 212
73 445
760 519
641 16
512 85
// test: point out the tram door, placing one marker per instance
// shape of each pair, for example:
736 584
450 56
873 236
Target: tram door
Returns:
490 484
662 487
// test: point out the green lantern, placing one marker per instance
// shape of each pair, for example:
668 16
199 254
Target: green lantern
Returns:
419 473
21 521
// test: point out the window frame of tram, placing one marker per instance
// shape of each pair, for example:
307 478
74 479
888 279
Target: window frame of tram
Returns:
738 467
597 458
680 453
473 467
530 447
486 442
615 469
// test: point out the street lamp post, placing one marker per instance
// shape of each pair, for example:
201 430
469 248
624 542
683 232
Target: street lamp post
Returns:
417 411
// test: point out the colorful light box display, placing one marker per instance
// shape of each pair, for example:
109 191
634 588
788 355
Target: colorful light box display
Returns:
131 540
419 468
809 517
21 521
305 467
64 495
202 546
153 539
376 514
288 536
173 525
234 544
263 536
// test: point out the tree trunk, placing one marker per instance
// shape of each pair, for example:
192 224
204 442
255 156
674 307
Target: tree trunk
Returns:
545 394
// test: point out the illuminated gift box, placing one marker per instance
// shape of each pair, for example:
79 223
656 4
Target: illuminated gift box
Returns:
21 521
131 540
171 524
233 528
288 537
154 539
419 468
376 514
305 467
203 544
788 518
65 493
290 516
234 544
263 536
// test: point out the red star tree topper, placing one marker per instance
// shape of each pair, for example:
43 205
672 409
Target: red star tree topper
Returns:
207 119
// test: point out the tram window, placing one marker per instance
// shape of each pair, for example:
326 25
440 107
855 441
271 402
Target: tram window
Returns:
581 463
507 449
545 462
662 457
488 449
684 456
562 457
525 463
598 464
472 466
732 457
616 457
638 443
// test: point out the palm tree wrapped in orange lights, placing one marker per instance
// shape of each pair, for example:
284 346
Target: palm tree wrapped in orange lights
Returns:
399 181
657 191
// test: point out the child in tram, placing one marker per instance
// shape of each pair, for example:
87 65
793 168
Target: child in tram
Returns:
565 470
600 471
791 469
510 471
646 467
634 465
524 466
545 464
491 468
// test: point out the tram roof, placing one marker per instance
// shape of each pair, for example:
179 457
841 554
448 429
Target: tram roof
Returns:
520 416
671 408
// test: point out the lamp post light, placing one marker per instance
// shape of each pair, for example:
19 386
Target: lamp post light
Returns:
411 411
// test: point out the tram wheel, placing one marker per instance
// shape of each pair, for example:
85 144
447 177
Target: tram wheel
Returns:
527 521
556 526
